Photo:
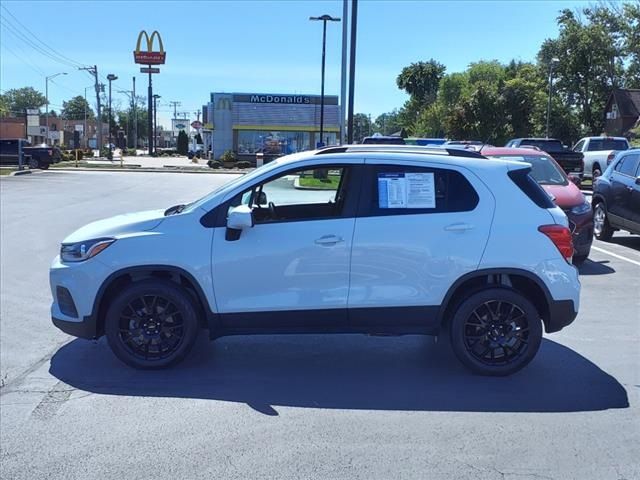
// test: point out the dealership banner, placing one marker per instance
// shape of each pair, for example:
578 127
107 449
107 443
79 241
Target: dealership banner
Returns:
179 124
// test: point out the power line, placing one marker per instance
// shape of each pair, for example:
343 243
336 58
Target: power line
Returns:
24 60
55 52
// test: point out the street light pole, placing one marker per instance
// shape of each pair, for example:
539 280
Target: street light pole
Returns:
324 19
155 121
46 92
554 61
111 77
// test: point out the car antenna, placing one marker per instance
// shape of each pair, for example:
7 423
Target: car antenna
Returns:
484 144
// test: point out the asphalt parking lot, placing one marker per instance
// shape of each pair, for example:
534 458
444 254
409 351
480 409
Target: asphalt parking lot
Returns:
299 407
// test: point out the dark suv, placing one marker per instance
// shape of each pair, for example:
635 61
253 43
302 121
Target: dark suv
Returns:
34 157
616 196
571 162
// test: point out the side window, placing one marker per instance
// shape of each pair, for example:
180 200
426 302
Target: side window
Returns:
406 190
308 194
579 145
628 165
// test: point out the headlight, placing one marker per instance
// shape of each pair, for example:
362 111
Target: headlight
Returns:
581 209
81 251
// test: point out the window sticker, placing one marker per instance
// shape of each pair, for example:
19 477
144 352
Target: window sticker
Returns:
406 190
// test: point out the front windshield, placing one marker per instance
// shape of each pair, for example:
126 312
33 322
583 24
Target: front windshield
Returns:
543 169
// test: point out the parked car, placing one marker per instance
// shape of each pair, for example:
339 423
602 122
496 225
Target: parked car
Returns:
383 140
425 141
398 241
570 161
546 171
616 196
40 156
599 152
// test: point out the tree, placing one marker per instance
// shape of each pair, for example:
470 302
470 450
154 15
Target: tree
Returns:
198 138
76 108
361 127
420 80
17 100
183 143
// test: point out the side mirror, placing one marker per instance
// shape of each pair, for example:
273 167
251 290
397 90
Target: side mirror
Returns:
638 181
575 179
240 218
262 198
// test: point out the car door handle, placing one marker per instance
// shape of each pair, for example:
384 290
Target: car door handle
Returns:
458 227
328 240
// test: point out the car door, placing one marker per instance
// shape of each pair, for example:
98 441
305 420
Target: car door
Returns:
419 228
291 269
623 178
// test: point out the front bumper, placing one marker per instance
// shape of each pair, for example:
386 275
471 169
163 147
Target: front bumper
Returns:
87 328
583 232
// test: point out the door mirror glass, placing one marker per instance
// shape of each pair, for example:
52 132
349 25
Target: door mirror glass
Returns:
240 218
637 180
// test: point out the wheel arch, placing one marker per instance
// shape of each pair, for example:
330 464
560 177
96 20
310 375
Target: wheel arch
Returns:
119 279
522 281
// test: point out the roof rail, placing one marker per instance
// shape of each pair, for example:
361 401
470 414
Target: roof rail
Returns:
453 152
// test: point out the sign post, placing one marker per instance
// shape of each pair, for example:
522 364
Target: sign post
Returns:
149 58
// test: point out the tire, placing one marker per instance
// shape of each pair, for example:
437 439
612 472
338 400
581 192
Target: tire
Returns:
44 166
495 332
601 227
141 334
596 171
579 259
34 163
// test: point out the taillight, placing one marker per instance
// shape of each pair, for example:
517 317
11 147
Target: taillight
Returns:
561 238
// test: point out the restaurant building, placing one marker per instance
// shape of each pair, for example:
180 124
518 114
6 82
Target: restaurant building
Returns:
274 124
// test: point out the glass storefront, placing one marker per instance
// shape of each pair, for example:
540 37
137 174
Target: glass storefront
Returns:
272 142
330 138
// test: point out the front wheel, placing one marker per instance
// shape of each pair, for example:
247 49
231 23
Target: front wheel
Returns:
34 163
601 227
151 324
496 332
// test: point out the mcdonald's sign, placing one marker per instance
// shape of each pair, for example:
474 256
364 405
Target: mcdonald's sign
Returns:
149 57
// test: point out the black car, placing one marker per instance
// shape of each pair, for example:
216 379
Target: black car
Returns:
383 140
40 156
616 196
571 162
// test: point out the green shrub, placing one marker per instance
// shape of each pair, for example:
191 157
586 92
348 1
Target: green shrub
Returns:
228 156
214 164
243 164
183 143
105 152
131 152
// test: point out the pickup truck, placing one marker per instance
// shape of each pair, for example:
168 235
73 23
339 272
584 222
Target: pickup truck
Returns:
40 156
599 152
571 162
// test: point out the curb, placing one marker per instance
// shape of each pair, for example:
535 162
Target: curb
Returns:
20 172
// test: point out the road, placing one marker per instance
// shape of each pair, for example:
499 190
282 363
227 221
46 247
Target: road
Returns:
299 407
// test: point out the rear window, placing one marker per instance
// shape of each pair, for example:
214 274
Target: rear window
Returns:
597 144
530 187
543 169
546 145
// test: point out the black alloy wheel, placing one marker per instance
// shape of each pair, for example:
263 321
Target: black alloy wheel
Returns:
152 324
496 332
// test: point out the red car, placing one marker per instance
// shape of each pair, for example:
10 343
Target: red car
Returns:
546 171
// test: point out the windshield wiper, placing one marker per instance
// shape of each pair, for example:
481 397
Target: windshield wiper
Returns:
175 209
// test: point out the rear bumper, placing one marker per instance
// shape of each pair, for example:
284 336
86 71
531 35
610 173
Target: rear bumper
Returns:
561 314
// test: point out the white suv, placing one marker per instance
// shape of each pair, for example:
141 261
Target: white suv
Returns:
353 239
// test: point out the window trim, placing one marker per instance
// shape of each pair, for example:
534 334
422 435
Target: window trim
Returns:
368 195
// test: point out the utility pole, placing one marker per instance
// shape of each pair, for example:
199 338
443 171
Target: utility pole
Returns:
111 77
174 105
135 116
197 112
155 119
352 68
343 73
94 71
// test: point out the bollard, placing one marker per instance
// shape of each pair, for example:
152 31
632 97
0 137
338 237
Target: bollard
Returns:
76 150
20 155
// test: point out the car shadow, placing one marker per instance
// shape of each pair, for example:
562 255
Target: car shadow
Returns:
346 372
631 241
591 267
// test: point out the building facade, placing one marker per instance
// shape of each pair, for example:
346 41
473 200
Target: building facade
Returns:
272 124
622 111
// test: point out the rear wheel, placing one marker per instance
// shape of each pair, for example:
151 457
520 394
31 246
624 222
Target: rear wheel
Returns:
596 171
601 227
496 332
151 324
34 163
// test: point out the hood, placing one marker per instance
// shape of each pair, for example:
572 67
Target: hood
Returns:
118 225
566 196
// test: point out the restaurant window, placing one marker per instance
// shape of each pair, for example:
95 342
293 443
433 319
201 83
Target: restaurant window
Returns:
272 142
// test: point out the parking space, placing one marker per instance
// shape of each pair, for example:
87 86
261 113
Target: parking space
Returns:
300 406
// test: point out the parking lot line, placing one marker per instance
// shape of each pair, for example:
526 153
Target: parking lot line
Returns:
615 255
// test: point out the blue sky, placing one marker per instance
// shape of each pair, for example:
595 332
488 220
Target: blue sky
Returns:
263 46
